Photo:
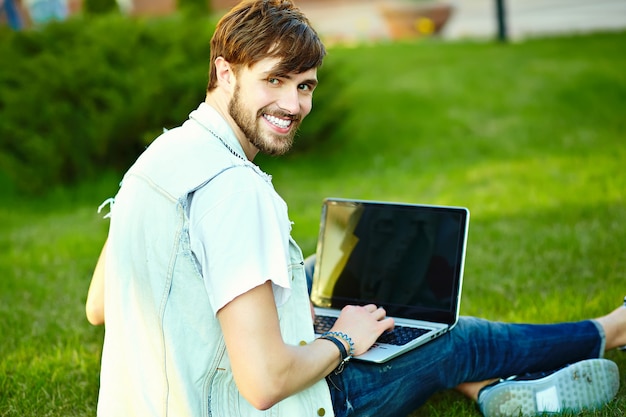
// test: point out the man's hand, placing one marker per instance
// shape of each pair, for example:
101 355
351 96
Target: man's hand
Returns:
363 324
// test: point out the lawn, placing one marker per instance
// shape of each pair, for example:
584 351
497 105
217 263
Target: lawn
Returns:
529 136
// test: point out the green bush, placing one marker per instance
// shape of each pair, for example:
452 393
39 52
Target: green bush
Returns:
89 94
85 94
194 6
100 6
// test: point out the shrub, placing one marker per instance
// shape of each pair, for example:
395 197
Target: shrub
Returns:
92 92
100 6
84 94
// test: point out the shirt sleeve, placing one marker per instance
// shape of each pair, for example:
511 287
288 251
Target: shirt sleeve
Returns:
239 233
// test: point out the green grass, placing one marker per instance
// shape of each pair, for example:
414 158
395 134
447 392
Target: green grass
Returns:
529 136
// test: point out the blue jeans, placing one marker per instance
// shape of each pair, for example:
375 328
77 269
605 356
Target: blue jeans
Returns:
12 14
474 350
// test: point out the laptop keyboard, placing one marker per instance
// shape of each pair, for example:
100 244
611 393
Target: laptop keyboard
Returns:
399 336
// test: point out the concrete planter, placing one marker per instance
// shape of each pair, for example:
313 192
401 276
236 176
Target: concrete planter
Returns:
411 20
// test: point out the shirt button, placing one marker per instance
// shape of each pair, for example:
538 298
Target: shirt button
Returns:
321 412
302 343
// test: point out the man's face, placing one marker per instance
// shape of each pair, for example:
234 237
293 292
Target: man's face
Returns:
269 107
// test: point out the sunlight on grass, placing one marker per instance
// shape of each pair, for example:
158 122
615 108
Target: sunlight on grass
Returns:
543 182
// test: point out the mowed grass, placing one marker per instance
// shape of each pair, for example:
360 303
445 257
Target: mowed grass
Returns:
529 136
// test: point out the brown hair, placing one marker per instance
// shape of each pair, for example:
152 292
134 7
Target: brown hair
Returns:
258 29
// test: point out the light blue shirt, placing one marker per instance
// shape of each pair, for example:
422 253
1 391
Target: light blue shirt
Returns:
163 353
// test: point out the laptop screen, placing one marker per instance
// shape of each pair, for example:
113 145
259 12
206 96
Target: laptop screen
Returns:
407 258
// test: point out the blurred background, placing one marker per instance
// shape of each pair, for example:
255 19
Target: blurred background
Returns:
70 52
349 20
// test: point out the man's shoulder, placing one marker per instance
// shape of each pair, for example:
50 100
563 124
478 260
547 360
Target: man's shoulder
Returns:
179 161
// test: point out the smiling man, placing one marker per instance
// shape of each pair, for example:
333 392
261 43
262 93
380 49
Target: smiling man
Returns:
204 293
199 265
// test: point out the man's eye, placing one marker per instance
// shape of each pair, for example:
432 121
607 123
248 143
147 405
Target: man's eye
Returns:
307 88
273 81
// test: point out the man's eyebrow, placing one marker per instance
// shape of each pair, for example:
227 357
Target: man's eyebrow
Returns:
312 82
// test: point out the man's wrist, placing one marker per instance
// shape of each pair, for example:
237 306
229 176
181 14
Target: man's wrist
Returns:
341 340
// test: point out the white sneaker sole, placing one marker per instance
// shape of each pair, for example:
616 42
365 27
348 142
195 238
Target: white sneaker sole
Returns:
588 384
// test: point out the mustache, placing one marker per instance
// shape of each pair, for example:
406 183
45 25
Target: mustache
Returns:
280 114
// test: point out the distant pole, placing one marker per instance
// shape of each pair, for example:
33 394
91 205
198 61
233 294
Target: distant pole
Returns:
501 14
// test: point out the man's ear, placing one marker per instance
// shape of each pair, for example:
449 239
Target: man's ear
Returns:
224 73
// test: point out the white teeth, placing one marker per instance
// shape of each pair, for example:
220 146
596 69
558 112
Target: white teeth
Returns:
278 122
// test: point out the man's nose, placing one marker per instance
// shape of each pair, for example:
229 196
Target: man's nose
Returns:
289 100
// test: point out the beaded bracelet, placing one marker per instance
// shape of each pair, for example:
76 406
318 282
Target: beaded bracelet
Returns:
345 337
345 356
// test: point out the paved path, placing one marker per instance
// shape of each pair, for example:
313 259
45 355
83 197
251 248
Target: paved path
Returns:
359 20
477 18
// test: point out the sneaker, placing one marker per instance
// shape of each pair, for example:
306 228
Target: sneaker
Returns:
588 384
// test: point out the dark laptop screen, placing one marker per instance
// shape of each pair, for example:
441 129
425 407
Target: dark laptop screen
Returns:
407 258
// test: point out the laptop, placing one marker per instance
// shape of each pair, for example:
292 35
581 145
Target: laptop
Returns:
407 258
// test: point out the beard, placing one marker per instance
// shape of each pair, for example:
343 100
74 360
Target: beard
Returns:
266 142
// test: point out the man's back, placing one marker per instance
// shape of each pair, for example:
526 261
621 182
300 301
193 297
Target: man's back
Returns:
161 334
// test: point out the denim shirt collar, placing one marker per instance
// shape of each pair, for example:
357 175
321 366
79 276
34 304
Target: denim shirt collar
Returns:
211 120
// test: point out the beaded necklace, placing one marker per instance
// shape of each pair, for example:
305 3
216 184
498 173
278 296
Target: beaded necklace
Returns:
267 177
226 145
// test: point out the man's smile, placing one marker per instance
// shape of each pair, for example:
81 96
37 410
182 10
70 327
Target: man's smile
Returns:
277 121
